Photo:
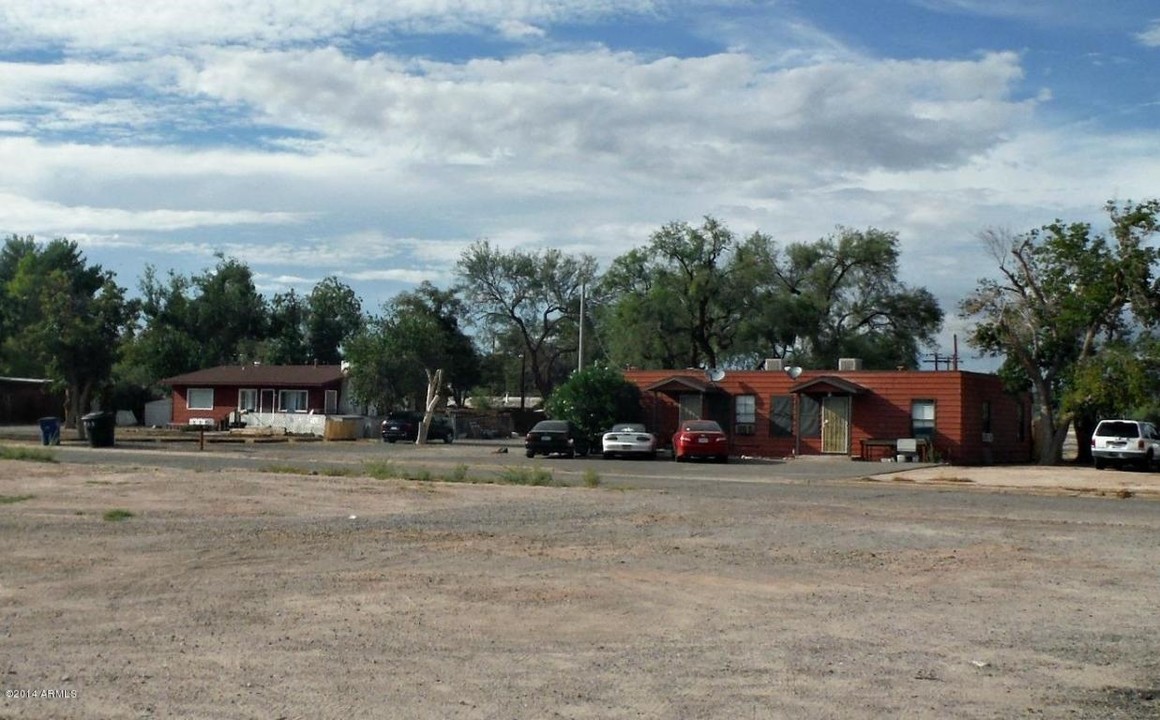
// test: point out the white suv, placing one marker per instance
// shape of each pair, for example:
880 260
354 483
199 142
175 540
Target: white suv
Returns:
1119 442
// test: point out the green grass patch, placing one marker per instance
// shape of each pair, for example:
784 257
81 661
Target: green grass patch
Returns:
13 499
299 470
382 470
457 475
117 515
536 476
591 478
23 453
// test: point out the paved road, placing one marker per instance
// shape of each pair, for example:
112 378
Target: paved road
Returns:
835 482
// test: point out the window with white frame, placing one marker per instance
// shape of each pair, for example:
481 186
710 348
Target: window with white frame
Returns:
292 401
248 399
745 417
199 399
922 419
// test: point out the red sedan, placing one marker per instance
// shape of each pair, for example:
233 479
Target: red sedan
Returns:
700 438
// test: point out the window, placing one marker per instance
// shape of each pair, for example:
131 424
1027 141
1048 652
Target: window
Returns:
330 403
1021 419
248 400
922 419
781 416
292 400
810 417
986 417
199 398
745 414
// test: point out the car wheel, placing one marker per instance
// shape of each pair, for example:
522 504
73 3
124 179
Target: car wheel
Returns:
1101 463
570 454
722 459
607 456
531 453
652 455
447 439
390 440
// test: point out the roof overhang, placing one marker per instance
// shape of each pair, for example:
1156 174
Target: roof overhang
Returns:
678 384
831 384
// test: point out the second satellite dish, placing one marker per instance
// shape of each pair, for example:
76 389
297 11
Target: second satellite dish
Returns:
715 374
793 372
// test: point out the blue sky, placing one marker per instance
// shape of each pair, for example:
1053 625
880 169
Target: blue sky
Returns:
375 140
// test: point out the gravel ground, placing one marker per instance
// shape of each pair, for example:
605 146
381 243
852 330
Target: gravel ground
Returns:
239 594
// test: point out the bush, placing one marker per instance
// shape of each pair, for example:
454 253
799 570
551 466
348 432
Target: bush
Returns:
594 399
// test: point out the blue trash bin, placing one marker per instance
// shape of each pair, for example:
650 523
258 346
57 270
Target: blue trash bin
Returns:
50 431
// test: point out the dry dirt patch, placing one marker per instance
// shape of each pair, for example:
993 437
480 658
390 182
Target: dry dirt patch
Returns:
237 595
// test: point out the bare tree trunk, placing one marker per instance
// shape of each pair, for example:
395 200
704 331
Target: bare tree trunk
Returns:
434 395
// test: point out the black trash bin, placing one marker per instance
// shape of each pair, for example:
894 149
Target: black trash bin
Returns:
50 431
100 426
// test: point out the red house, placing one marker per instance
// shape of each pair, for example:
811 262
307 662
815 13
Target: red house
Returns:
948 415
211 396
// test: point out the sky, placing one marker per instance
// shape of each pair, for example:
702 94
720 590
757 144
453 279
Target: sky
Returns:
375 140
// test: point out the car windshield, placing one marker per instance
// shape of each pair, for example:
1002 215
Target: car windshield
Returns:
629 428
701 426
1118 429
551 426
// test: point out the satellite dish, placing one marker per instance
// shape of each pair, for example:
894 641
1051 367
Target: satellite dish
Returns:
793 372
715 374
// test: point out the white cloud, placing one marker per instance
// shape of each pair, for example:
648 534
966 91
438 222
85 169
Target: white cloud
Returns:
20 212
129 26
1151 36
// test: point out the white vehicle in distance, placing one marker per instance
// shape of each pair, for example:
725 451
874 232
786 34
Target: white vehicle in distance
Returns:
629 440
1125 442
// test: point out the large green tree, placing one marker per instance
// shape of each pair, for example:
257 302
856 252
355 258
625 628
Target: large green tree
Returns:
335 315
414 354
534 296
69 319
214 318
677 302
839 296
702 297
1064 293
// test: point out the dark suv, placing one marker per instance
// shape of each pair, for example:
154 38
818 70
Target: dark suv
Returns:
404 425
555 436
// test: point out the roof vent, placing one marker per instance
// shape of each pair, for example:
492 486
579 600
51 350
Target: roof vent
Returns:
849 364
774 364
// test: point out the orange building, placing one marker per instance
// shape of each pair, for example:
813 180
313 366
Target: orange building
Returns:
943 415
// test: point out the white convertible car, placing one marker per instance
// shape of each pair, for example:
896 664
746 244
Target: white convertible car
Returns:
629 439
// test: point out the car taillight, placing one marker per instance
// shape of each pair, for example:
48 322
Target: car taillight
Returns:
1139 444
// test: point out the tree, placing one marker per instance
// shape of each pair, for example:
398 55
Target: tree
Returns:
1064 294
72 318
287 344
189 323
594 399
536 296
837 297
335 315
680 297
700 297
413 353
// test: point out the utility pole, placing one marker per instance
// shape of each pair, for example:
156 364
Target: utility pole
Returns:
580 344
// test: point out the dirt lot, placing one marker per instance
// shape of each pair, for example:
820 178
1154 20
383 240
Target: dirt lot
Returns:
243 595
